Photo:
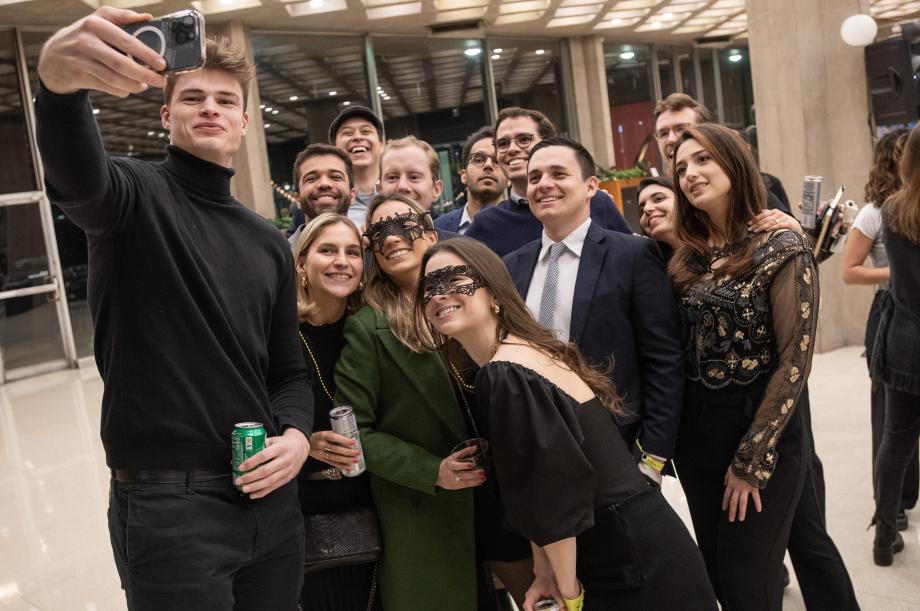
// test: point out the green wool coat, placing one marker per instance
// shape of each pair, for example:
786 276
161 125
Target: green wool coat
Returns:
410 420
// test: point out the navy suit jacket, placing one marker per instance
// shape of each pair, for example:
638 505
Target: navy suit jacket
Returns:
450 221
509 225
624 310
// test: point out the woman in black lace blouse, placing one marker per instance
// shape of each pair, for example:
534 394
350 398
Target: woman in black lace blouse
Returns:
602 537
750 308
328 258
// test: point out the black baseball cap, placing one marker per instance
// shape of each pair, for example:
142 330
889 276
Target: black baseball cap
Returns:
350 113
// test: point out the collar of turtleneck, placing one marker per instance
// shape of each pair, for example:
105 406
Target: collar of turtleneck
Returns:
198 175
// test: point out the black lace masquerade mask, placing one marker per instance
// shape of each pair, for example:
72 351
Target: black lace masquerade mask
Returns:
408 225
452 280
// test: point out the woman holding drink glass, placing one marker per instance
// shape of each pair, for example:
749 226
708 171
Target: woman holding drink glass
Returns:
602 537
329 263
410 421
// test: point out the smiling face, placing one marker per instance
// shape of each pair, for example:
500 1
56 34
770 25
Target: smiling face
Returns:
400 256
669 126
483 179
559 195
333 263
702 180
456 299
656 212
513 159
406 170
359 139
205 115
324 186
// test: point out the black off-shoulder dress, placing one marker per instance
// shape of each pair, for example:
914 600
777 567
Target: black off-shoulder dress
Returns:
564 471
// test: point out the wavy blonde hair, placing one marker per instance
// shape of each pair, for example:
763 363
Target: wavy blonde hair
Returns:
902 210
382 294
306 305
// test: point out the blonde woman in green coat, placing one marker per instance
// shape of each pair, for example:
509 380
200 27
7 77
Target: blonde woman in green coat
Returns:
410 421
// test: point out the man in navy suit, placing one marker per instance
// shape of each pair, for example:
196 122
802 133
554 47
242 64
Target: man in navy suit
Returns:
608 293
485 182
510 224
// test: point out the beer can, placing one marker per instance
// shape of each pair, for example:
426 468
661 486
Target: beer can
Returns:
547 604
811 199
247 440
343 423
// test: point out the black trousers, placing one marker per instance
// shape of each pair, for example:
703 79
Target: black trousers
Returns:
744 559
822 575
899 442
911 486
202 545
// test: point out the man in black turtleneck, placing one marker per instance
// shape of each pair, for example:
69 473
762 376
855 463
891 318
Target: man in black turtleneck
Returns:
193 300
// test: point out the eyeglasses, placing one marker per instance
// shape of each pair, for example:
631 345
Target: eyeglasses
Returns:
479 159
522 140
662 134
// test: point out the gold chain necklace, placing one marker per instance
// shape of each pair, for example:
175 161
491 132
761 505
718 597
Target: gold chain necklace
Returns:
459 378
315 365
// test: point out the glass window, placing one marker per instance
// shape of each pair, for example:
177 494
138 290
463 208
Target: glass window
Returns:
17 172
629 90
432 88
304 82
687 74
666 72
737 89
528 74
709 81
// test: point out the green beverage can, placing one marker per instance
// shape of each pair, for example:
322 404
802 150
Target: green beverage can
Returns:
247 440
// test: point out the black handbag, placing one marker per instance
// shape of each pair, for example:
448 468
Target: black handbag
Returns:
341 538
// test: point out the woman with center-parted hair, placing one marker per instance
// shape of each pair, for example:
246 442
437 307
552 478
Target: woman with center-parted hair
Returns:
602 537
750 311
411 419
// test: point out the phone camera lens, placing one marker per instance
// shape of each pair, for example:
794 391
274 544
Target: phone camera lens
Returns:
182 37
188 22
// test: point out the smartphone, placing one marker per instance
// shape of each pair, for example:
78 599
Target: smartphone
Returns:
178 38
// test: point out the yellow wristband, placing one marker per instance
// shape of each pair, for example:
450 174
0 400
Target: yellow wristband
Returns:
651 461
575 604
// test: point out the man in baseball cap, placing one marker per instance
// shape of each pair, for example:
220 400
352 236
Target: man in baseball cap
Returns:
358 132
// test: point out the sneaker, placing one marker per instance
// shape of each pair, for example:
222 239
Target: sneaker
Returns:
883 555
902 520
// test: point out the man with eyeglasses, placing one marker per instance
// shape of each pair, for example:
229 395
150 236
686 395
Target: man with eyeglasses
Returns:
511 224
485 182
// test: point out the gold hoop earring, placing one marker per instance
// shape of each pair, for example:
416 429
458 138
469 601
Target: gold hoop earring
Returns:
496 308
303 280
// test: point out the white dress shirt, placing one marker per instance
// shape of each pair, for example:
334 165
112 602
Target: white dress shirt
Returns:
465 221
565 285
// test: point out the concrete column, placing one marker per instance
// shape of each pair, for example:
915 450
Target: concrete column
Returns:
592 107
252 182
813 118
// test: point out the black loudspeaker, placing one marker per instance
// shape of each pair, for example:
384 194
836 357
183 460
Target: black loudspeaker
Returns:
893 82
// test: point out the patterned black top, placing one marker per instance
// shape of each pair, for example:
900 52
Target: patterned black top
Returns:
756 330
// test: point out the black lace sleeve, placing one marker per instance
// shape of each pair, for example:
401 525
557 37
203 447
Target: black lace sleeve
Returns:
794 306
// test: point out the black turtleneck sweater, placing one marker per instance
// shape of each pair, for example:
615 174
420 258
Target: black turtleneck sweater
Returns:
192 296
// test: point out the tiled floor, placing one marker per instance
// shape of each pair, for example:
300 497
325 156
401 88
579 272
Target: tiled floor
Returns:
55 543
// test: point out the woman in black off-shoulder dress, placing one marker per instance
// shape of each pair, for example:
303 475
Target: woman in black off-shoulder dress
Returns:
602 537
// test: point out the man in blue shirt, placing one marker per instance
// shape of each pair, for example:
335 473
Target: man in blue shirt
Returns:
510 225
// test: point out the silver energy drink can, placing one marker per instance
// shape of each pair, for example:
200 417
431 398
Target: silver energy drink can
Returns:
344 424
811 199
547 604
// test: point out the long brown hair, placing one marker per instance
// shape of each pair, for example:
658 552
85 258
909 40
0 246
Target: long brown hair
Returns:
902 211
748 198
513 317
382 294
306 306
884 180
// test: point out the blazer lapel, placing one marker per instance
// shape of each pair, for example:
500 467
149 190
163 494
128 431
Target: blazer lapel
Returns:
427 374
589 270
523 265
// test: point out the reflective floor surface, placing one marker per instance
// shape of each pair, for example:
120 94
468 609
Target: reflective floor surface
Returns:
55 544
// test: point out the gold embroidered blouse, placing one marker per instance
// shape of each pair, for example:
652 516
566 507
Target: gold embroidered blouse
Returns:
756 330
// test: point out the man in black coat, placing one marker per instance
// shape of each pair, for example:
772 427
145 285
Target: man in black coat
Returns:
607 292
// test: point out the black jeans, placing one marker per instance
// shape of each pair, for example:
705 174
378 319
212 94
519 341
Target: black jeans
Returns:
899 442
203 546
911 489
822 575
744 559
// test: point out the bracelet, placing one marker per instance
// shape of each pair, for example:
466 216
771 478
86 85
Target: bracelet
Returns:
651 461
577 603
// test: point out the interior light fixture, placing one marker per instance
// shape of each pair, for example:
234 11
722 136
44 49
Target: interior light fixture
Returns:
226 2
269 109
346 103
540 51
498 50
496 56
267 125
667 16
151 133
293 98
656 24
333 93
472 52
261 106
95 111
735 56
616 21
161 134
627 55
316 3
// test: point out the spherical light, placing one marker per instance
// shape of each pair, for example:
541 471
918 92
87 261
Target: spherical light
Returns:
627 55
858 30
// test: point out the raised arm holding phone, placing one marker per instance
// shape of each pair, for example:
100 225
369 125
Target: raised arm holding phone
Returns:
193 302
